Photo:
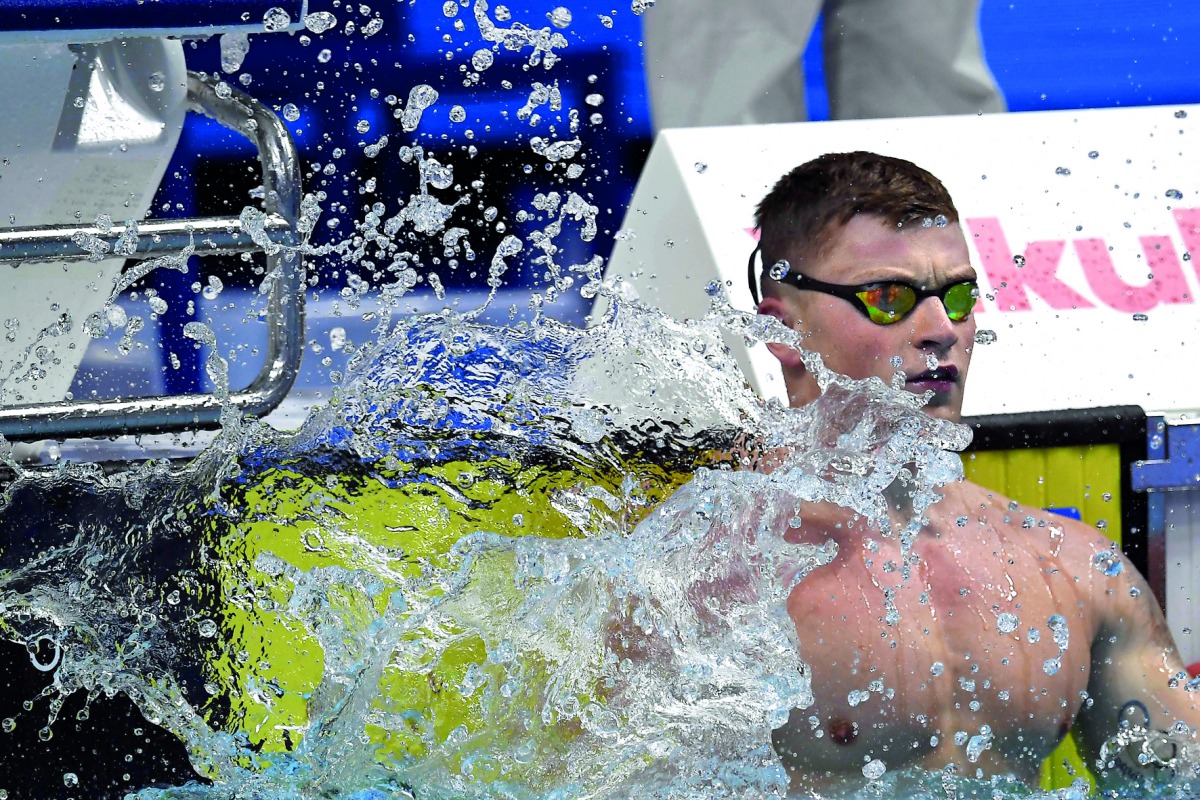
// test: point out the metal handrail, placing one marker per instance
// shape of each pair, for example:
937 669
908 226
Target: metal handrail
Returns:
208 236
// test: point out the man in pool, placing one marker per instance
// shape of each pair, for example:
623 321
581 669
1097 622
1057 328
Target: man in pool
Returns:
1015 625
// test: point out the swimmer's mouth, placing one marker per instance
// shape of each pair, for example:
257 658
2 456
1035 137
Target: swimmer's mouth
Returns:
942 379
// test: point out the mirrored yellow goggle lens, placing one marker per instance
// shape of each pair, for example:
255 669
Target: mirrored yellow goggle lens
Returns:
889 303
960 300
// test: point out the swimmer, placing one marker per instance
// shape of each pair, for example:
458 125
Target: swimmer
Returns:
1008 634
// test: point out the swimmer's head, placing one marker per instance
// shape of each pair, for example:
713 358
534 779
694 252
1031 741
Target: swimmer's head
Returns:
806 207
878 277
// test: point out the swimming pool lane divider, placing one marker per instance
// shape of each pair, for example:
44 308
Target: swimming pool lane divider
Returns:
209 236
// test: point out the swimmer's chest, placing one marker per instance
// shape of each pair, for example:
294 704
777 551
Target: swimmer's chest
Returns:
939 665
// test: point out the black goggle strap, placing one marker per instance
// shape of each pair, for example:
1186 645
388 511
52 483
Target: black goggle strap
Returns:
752 277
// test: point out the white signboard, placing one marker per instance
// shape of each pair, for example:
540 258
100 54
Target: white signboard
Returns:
1082 226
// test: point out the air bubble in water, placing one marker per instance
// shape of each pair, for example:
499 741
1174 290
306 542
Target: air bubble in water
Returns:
158 81
214 288
450 8
700 167
1019 260
234 47
363 126
1174 194
594 99
1062 171
1181 114
874 769
1093 154
320 21
373 27
984 336
560 17
276 19
482 59
70 779
458 114
291 113
420 97
324 56
207 628
640 7
1139 317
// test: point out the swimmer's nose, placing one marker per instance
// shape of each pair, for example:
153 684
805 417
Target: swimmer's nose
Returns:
933 330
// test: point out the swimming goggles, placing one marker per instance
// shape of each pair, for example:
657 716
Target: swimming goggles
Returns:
883 302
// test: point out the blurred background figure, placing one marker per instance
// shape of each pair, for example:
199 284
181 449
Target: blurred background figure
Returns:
714 62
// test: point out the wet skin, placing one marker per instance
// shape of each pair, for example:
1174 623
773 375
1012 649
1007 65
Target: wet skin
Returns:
1004 559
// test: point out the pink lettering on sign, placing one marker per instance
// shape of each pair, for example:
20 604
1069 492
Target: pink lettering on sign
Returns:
1166 286
1034 271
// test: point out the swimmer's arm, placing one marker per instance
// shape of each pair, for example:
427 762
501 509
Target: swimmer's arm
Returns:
1135 678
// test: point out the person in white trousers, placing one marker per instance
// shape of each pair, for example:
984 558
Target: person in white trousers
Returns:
720 62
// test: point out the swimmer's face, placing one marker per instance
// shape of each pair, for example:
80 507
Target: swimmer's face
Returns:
932 350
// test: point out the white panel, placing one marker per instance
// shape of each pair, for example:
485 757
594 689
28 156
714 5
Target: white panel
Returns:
1183 582
1095 200
84 135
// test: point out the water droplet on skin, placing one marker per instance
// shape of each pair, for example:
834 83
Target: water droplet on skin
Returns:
1007 622
1051 666
937 668
780 269
940 221
985 337
1109 563
1062 171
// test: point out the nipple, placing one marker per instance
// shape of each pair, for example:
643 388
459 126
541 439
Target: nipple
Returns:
842 731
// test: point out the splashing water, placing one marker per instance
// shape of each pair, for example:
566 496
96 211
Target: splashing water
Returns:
452 579
476 571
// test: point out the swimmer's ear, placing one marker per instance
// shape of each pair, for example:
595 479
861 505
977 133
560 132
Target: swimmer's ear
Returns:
789 357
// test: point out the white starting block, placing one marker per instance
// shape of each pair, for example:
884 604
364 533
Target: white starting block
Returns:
96 96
